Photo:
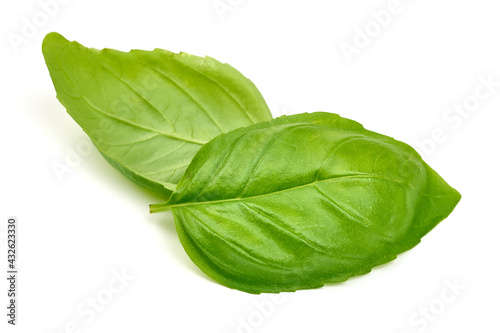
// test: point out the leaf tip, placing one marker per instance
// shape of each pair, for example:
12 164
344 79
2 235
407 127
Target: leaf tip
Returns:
51 40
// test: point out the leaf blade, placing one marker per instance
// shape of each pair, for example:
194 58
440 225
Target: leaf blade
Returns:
316 194
138 106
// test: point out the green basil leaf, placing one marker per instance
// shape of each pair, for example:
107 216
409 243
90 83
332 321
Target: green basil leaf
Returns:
304 200
149 112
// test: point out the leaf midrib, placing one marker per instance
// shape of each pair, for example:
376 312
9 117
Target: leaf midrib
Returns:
314 183
98 109
173 136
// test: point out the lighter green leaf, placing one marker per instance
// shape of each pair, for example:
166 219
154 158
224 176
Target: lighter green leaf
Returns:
149 112
304 200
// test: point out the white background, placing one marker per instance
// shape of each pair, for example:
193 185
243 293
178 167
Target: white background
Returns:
75 233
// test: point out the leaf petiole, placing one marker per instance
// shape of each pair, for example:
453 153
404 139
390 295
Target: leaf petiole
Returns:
158 208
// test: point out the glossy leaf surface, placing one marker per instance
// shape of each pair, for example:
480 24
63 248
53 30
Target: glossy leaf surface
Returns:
304 200
149 112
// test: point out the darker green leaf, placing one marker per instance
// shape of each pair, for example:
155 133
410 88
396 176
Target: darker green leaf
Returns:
304 200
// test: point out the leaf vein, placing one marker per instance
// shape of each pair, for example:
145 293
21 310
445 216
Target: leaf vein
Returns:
232 244
140 96
245 111
187 94
298 237
357 218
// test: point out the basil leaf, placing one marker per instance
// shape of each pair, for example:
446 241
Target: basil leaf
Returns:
149 112
304 200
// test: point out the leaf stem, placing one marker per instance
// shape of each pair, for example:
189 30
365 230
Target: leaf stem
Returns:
158 208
